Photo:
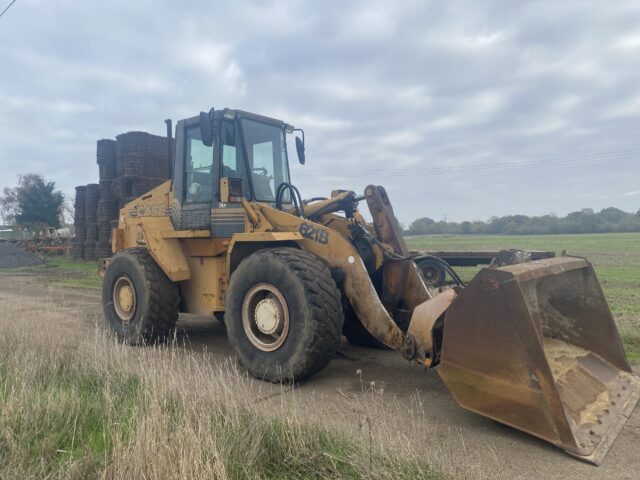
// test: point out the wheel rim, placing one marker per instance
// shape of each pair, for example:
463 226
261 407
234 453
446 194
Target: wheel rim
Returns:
430 274
265 317
124 299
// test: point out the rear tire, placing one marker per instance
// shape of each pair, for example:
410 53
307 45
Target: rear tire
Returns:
283 314
139 301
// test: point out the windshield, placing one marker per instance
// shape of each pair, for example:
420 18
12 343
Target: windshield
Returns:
267 158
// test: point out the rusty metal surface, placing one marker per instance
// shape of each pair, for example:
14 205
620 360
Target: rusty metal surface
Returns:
534 346
423 319
472 258
395 274
415 291
384 220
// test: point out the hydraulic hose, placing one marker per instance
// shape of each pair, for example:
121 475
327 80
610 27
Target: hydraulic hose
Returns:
392 256
295 197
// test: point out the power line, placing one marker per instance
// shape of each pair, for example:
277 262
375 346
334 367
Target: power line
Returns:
7 7
569 160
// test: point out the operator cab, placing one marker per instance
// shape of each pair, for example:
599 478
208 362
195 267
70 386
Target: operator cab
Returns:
221 157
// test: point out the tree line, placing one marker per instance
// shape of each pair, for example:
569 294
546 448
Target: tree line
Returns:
584 221
35 203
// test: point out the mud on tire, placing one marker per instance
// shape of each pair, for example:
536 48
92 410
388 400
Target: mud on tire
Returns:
313 305
155 309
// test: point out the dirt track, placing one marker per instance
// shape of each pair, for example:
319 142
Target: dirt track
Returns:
466 442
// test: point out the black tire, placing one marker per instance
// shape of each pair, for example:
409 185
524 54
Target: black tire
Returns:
312 302
154 312
433 272
355 332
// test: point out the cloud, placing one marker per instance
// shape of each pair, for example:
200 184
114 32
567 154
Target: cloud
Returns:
383 90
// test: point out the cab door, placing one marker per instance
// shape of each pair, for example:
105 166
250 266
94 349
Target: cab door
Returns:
193 182
229 218
198 182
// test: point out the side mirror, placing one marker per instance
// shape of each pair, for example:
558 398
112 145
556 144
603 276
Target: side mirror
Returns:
300 149
206 127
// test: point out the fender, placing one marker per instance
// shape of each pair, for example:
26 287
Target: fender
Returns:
146 222
166 251
244 244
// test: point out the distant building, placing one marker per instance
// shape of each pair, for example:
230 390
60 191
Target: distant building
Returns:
8 232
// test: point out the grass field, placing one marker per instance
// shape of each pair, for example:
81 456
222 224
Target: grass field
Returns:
76 405
73 404
615 257
63 272
74 273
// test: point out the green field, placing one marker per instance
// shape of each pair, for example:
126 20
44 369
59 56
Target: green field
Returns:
63 272
615 257
73 273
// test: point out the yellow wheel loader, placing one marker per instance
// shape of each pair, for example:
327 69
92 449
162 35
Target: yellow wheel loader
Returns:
531 345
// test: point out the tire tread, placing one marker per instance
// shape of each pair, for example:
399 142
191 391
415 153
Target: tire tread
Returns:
324 302
164 299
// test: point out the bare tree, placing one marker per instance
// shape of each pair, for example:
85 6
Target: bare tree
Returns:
8 205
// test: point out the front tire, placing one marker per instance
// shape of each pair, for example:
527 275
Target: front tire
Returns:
139 301
283 314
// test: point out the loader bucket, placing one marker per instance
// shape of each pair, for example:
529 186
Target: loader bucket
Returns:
534 346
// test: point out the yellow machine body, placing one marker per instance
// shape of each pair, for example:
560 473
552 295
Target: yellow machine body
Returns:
532 345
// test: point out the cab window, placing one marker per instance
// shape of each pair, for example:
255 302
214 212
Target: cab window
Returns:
198 169
267 159
233 164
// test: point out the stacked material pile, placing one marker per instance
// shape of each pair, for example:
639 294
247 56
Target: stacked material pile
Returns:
91 221
107 206
128 167
77 246
142 164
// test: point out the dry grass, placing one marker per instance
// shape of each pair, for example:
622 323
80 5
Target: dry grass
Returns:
73 404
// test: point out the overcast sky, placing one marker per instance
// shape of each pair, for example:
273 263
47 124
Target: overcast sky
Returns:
463 109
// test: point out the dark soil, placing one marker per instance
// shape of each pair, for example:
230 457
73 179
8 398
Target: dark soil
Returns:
12 256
